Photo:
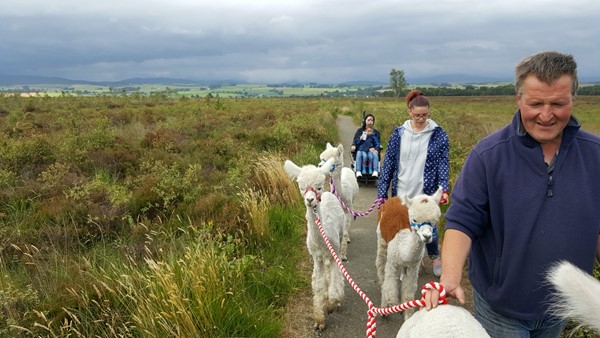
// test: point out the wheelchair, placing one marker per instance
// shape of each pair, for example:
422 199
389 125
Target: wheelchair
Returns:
367 179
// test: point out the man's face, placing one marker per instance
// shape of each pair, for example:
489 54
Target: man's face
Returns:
546 109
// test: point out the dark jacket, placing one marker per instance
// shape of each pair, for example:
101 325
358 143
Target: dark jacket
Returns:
522 219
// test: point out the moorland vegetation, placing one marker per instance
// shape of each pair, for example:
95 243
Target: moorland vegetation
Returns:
163 216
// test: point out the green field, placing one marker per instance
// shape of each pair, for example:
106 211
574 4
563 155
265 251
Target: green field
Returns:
169 215
174 90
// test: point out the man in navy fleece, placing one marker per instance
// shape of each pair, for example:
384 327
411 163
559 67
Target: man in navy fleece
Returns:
526 198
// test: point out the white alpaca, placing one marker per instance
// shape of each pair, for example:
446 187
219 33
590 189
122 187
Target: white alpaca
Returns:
345 182
577 295
327 279
402 232
445 321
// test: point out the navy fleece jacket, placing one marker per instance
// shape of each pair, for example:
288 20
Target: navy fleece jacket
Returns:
522 219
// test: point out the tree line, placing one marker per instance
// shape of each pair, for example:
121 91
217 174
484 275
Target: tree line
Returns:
398 88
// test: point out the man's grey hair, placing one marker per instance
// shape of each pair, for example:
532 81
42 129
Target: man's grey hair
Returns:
547 67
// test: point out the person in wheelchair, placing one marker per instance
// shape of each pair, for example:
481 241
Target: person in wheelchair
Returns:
365 148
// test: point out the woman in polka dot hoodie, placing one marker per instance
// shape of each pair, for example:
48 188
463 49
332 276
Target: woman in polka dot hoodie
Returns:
416 161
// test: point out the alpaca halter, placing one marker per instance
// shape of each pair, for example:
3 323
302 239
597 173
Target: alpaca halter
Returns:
333 166
313 190
418 226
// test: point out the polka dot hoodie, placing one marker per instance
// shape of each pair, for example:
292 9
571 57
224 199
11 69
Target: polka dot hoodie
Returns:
436 169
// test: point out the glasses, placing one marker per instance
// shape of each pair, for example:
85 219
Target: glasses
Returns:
420 116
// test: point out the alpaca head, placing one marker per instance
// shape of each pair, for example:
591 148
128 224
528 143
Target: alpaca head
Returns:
310 180
335 153
424 213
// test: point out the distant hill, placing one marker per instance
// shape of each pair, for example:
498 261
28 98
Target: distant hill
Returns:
14 80
364 83
25 80
456 78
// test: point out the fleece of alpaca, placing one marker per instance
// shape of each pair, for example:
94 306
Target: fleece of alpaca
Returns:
327 279
577 295
404 227
345 183
445 321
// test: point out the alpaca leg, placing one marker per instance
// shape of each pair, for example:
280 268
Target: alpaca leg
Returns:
319 293
389 289
381 259
336 286
409 287
345 238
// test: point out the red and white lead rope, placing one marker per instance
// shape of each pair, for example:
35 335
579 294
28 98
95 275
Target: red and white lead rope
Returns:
373 311
377 203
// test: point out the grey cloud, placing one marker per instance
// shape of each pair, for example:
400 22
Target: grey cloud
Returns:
277 41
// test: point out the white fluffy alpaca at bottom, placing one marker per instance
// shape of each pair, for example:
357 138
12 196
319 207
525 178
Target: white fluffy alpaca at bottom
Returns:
577 295
327 279
445 321
345 182
402 232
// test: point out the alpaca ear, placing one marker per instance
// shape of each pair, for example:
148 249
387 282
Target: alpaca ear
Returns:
437 196
340 150
326 166
406 201
328 146
291 169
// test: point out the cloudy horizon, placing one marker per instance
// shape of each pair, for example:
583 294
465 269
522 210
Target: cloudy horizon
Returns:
268 41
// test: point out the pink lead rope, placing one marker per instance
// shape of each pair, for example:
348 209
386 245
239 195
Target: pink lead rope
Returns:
377 203
373 311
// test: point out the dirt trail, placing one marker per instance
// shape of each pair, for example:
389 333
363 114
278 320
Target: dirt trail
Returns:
350 320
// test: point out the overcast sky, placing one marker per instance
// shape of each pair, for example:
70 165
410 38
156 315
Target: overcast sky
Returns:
274 41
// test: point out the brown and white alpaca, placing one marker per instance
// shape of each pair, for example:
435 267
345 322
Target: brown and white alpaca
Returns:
403 229
327 279
346 184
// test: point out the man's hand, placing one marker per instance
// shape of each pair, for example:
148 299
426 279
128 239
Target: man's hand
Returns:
455 248
452 290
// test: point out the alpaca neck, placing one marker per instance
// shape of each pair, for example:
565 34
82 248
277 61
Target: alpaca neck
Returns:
311 217
337 177
416 245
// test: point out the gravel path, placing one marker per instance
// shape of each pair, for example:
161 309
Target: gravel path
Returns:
350 320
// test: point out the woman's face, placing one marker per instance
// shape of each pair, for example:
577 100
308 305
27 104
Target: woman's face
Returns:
369 121
419 115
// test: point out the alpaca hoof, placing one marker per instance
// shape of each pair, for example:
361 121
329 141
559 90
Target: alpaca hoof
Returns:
333 306
319 327
344 258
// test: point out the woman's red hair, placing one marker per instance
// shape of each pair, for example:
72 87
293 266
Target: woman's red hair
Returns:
416 98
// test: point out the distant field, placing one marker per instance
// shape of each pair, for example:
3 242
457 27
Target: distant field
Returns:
224 91
266 91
